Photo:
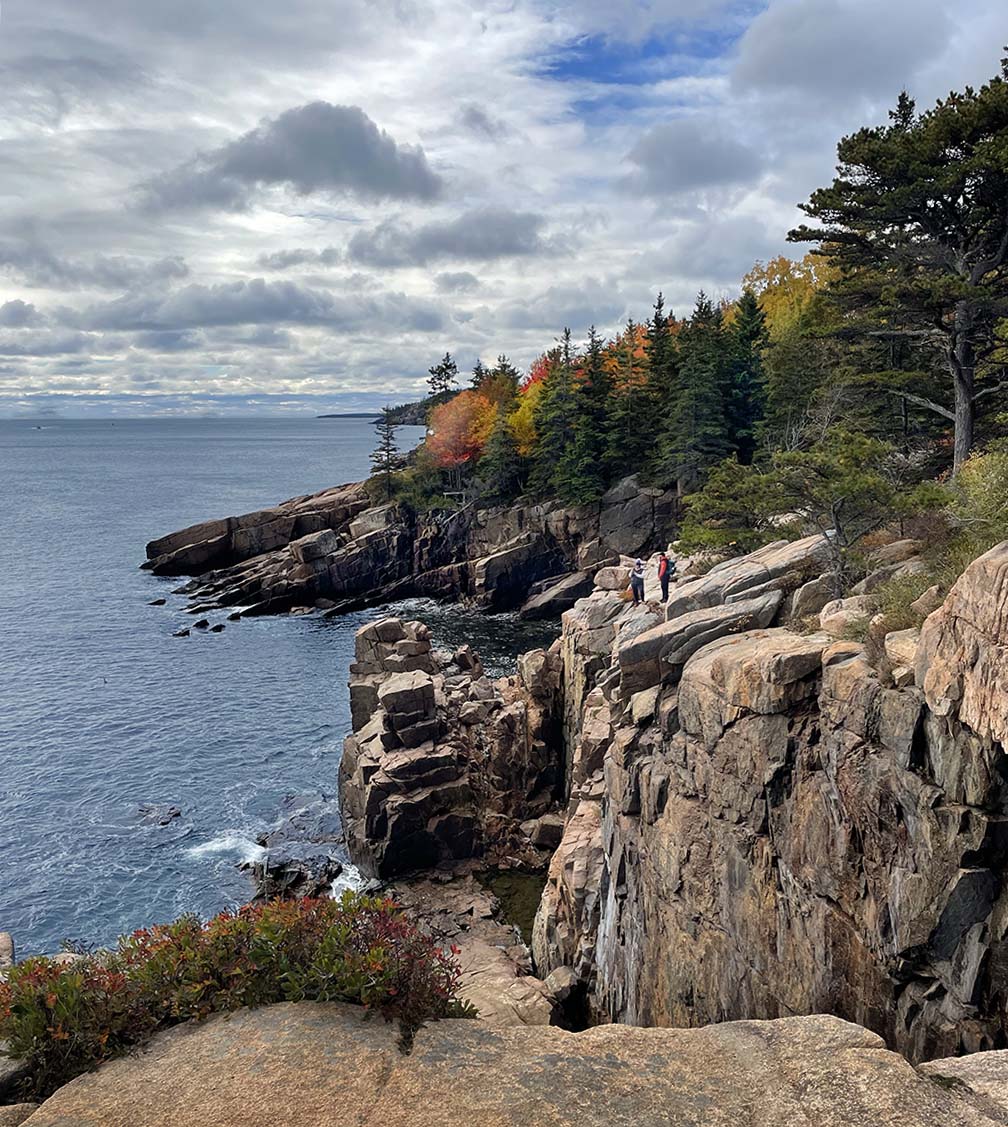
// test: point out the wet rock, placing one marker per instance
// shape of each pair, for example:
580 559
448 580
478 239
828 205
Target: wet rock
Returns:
157 602
183 633
202 624
217 628
158 814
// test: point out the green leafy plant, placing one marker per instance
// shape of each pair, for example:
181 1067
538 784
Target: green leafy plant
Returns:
62 1020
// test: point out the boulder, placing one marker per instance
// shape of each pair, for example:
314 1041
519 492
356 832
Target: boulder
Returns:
897 552
928 602
558 597
13 1115
408 693
6 950
962 657
659 653
901 646
841 616
613 578
810 598
297 1062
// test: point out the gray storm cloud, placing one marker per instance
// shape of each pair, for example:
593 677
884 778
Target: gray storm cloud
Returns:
314 148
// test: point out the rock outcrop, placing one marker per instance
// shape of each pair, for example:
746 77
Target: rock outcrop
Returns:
444 764
336 551
317 1064
763 822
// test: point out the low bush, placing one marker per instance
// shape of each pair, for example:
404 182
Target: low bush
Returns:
896 596
63 1020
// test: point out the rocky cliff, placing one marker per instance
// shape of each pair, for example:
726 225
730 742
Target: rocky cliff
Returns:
317 1064
336 550
765 819
443 764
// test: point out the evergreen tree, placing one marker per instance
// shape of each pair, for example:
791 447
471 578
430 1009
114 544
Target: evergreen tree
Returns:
443 376
696 435
385 458
479 374
554 424
746 402
916 222
582 472
500 466
630 433
662 387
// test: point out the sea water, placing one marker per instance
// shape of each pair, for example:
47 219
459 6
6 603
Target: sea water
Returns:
103 713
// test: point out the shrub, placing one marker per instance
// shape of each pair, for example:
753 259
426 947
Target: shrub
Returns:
63 1020
897 594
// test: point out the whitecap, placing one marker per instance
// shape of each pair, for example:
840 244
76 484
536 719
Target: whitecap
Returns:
349 880
231 841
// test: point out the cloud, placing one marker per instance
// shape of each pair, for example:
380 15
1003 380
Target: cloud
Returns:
475 118
480 236
36 265
299 256
18 314
258 302
44 343
313 148
456 282
873 49
689 154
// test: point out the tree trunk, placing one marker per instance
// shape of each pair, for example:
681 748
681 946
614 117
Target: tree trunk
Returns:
962 363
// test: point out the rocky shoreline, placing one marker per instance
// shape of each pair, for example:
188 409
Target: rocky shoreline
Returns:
745 813
336 551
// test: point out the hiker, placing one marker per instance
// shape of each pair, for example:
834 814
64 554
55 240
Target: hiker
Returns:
666 571
637 582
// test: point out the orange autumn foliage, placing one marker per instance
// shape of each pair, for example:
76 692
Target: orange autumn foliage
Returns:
460 428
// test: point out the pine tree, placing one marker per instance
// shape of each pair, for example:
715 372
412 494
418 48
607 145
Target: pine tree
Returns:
582 473
479 374
696 436
386 454
554 424
630 430
443 376
746 403
500 466
662 387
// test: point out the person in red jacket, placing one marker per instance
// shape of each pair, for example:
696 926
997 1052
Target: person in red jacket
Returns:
666 571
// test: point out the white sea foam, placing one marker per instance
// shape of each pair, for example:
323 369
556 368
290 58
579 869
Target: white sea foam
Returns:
349 880
231 841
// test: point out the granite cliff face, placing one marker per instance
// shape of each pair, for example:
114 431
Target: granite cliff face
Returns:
443 764
338 551
765 821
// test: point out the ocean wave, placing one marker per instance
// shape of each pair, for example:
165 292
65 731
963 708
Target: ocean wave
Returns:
230 841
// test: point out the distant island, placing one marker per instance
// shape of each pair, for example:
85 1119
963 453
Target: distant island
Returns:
405 415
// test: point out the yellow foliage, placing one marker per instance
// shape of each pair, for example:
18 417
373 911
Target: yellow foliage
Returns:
522 419
786 287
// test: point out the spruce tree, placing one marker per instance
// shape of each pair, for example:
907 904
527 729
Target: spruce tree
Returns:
696 436
443 376
479 374
582 473
630 434
662 387
554 424
386 454
745 406
500 465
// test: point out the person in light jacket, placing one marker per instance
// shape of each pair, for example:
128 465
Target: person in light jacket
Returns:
637 582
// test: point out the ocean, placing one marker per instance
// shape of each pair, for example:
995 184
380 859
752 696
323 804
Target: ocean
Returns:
103 712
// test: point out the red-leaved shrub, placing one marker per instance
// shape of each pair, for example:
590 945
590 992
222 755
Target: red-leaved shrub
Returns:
65 1019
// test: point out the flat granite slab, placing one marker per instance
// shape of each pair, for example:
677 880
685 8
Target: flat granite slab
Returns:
312 1064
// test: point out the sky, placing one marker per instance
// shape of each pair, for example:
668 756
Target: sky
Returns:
252 206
